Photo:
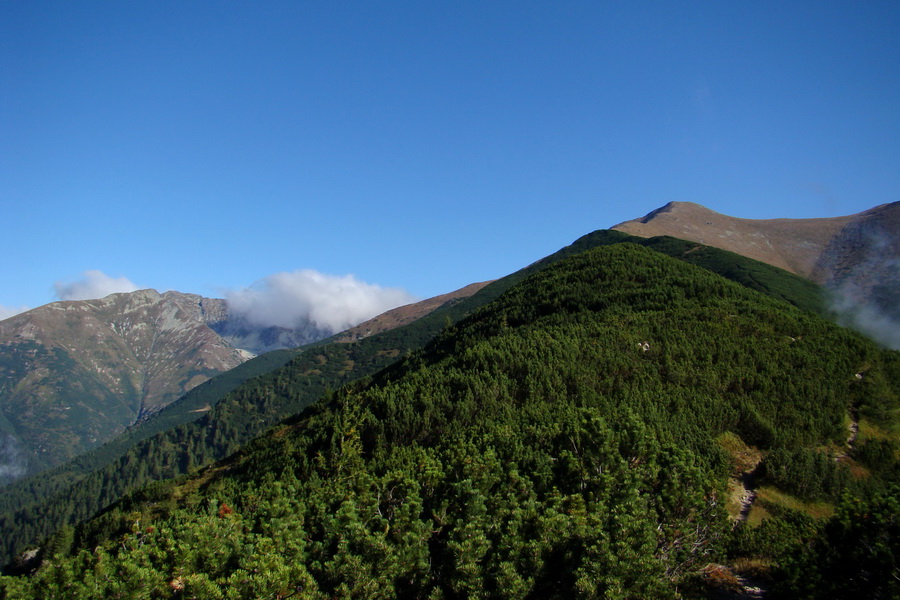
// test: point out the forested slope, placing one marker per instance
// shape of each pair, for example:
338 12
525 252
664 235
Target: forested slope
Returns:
186 439
562 441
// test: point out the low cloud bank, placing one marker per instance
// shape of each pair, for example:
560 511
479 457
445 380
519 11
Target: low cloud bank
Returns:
300 297
93 284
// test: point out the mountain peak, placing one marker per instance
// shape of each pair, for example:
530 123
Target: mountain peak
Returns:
796 245
672 207
791 244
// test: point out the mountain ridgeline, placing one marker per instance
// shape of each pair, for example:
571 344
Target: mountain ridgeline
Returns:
572 432
76 374
855 257
200 428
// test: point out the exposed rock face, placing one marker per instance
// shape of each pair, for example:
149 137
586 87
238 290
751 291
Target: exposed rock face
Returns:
73 374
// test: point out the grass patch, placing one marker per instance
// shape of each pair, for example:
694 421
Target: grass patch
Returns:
744 458
773 499
871 431
757 514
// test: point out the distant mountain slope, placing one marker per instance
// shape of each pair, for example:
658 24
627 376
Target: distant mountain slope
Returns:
791 244
404 315
856 257
76 374
563 441
217 417
73 374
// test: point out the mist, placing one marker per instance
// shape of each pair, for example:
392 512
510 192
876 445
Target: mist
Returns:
12 463
93 284
306 296
866 317
866 297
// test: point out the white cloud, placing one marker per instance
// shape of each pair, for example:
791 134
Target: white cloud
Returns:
10 311
93 284
328 301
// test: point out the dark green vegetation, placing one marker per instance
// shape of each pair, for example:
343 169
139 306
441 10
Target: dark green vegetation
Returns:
559 442
184 439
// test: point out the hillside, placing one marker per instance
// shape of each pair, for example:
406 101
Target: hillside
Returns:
74 374
215 418
856 257
570 439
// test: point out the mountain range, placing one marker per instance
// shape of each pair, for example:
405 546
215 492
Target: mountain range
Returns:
75 374
627 418
63 355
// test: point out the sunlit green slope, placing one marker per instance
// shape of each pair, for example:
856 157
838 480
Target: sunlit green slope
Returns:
562 441
185 436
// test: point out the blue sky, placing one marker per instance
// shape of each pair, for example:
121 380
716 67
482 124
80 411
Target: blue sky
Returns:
210 146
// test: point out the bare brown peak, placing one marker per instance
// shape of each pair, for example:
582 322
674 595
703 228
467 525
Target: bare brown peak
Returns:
791 244
675 207
683 209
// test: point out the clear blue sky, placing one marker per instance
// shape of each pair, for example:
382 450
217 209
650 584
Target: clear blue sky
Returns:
202 146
